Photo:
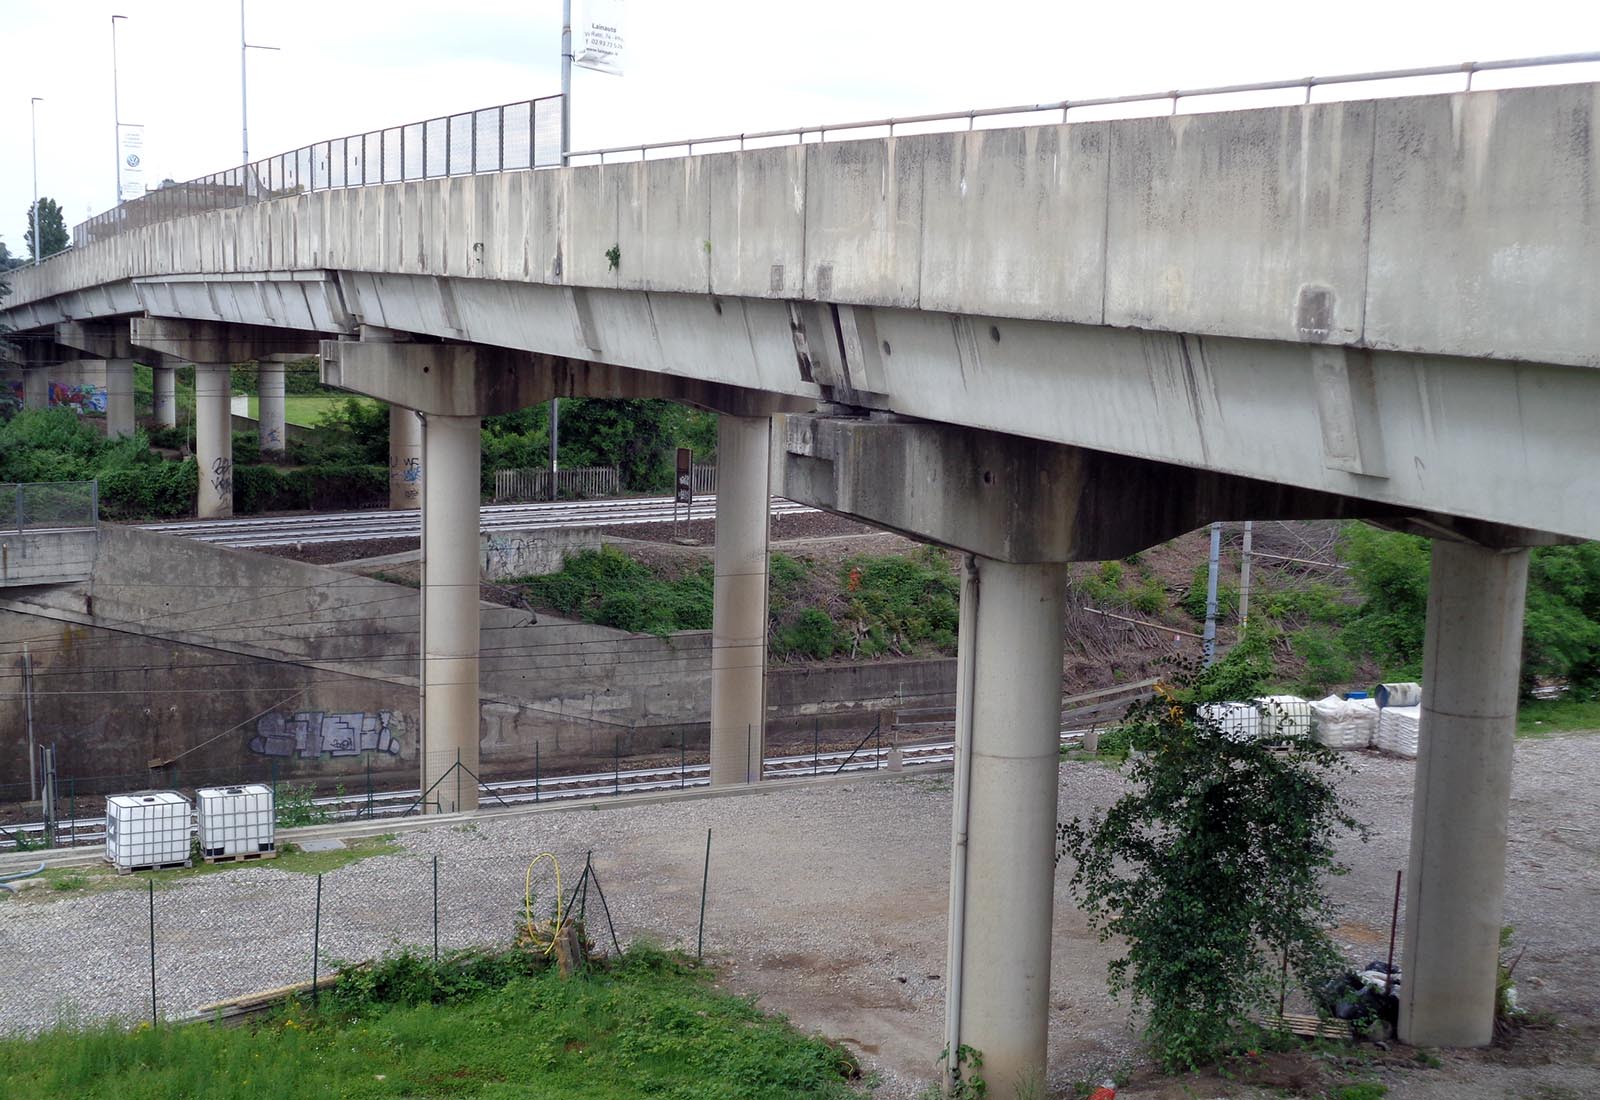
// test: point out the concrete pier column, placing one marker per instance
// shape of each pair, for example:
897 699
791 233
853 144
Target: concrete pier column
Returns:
35 387
271 427
1003 882
739 599
119 398
1472 655
213 439
405 458
165 397
452 452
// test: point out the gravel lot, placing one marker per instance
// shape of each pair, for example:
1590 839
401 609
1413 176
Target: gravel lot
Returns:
827 901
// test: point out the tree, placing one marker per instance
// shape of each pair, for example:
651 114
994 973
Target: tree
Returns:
8 260
53 228
1211 869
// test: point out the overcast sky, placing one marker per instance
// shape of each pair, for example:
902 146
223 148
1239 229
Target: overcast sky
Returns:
693 66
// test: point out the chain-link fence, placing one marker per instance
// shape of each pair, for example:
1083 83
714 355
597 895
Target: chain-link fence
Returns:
49 504
492 139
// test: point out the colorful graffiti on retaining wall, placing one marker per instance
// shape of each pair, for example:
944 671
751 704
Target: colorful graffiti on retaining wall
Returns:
86 399
309 734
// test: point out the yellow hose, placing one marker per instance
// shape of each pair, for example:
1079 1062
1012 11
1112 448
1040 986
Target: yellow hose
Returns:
527 901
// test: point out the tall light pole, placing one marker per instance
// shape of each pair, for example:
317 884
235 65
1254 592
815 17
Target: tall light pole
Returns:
38 234
566 149
116 107
244 88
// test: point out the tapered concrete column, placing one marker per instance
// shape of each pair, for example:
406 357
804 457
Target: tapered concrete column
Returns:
1471 659
405 458
35 387
739 599
452 452
165 396
271 427
1003 882
213 439
119 398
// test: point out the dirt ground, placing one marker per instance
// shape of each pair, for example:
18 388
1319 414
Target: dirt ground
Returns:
827 902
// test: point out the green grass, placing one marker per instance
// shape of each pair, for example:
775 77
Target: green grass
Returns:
99 878
1543 717
307 410
650 1025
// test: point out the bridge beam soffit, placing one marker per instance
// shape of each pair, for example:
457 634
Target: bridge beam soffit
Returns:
210 342
445 379
1022 500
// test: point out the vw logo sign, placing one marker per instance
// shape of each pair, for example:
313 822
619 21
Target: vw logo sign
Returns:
133 160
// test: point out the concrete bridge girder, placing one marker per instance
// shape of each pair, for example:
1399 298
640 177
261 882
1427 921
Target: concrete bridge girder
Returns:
1020 508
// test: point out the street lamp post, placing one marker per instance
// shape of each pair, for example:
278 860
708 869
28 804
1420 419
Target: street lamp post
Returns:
244 89
116 107
38 234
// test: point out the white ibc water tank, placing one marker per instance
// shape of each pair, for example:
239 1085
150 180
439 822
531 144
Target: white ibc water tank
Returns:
147 829
235 821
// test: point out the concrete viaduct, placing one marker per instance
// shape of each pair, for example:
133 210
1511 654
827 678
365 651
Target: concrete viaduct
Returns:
1036 346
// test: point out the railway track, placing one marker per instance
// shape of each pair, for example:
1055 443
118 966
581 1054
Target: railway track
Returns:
85 831
372 525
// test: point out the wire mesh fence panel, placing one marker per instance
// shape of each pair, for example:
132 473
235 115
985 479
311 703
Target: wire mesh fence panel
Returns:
372 158
321 173
436 146
486 140
49 504
460 162
393 164
411 160
516 136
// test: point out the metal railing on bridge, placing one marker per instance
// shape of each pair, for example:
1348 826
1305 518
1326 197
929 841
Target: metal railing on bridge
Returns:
511 136
49 505
526 135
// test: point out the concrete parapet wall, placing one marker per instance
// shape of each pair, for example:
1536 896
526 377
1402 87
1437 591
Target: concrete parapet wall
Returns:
1449 224
46 557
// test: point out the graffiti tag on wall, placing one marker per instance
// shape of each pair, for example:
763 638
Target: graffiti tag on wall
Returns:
86 399
309 734
407 473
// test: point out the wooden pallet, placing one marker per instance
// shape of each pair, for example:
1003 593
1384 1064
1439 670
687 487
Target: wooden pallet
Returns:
1310 1027
242 857
155 867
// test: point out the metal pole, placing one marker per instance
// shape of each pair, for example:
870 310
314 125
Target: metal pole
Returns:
116 107
38 236
616 764
1209 638
536 772
816 745
151 883
1244 580
705 879
566 117
244 94
555 437
27 707
316 938
436 910
683 759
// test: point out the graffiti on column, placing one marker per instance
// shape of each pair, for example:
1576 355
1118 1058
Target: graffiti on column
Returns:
309 734
273 436
408 471
85 399
222 475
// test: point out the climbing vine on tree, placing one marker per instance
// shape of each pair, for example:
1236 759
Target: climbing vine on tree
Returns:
1212 868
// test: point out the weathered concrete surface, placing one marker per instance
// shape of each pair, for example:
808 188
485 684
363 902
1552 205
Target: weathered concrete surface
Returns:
504 554
1245 223
1346 298
46 557
245 637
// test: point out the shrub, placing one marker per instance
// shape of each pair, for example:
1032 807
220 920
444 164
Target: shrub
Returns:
1194 600
811 635
1210 869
